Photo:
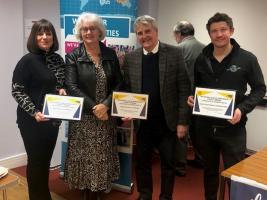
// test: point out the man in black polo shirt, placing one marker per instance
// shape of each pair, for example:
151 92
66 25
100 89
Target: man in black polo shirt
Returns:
224 65
157 69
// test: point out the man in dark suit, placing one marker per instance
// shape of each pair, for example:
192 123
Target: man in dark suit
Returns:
157 69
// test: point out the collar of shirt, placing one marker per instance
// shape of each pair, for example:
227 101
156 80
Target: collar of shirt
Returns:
154 51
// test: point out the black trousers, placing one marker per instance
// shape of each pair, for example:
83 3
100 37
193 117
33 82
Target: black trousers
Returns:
39 141
192 135
155 134
181 159
213 142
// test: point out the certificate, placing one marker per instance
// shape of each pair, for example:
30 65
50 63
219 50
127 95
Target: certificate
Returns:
214 103
63 107
129 105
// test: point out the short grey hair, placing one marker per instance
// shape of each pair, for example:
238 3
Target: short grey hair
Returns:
86 16
145 20
185 28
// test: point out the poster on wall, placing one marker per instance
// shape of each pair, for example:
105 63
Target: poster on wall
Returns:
118 17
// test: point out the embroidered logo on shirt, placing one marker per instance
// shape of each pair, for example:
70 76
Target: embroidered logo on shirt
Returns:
233 68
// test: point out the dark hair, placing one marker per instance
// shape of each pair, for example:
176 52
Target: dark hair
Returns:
40 26
185 28
220 17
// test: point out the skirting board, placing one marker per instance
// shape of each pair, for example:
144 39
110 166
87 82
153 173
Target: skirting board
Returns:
14 161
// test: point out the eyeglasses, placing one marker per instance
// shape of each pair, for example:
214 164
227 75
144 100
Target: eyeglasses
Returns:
86 29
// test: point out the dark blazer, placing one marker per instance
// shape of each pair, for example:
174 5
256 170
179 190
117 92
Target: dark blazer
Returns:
80 75
174 82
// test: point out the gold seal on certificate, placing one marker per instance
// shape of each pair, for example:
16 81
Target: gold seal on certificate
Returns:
214 103
63 107
129 105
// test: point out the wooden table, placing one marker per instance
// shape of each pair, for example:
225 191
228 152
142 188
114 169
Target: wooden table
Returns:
6 182
253 167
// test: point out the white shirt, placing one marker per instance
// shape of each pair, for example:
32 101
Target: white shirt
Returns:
155 50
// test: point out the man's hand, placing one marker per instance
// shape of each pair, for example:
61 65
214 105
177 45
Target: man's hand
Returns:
181 130
237 116
190 101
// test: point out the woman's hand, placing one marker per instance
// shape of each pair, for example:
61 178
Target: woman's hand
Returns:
62 92
39 117
100 111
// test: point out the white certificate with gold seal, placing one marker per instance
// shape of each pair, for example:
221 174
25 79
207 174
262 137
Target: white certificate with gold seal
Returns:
214 102
131 105
63 107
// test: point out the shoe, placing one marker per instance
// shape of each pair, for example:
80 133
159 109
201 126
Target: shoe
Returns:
180 169
181 172
195 163
140 197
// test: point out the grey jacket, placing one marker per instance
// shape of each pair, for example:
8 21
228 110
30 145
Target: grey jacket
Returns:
174 82
191 48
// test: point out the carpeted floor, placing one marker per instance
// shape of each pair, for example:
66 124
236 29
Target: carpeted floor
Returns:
186 188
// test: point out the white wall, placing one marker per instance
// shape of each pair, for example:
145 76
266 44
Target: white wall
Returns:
256 129
249 19
48 9
12 15
148 7
11 51
250 24
15 12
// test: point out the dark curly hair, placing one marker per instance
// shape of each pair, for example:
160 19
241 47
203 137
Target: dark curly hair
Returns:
220 17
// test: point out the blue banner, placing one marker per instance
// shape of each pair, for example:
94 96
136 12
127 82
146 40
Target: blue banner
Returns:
118 27
118 17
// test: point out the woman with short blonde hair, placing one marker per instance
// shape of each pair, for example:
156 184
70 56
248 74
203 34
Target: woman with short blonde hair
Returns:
92 72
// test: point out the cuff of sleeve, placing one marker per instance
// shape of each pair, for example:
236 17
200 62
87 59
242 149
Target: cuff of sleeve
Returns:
243 112
34 112
183 122
107 103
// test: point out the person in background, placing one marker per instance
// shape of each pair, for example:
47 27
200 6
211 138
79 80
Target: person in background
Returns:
38 73
157 69
92 72
184 35
223 64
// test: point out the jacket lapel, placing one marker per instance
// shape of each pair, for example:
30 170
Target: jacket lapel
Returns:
162 66
138 68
